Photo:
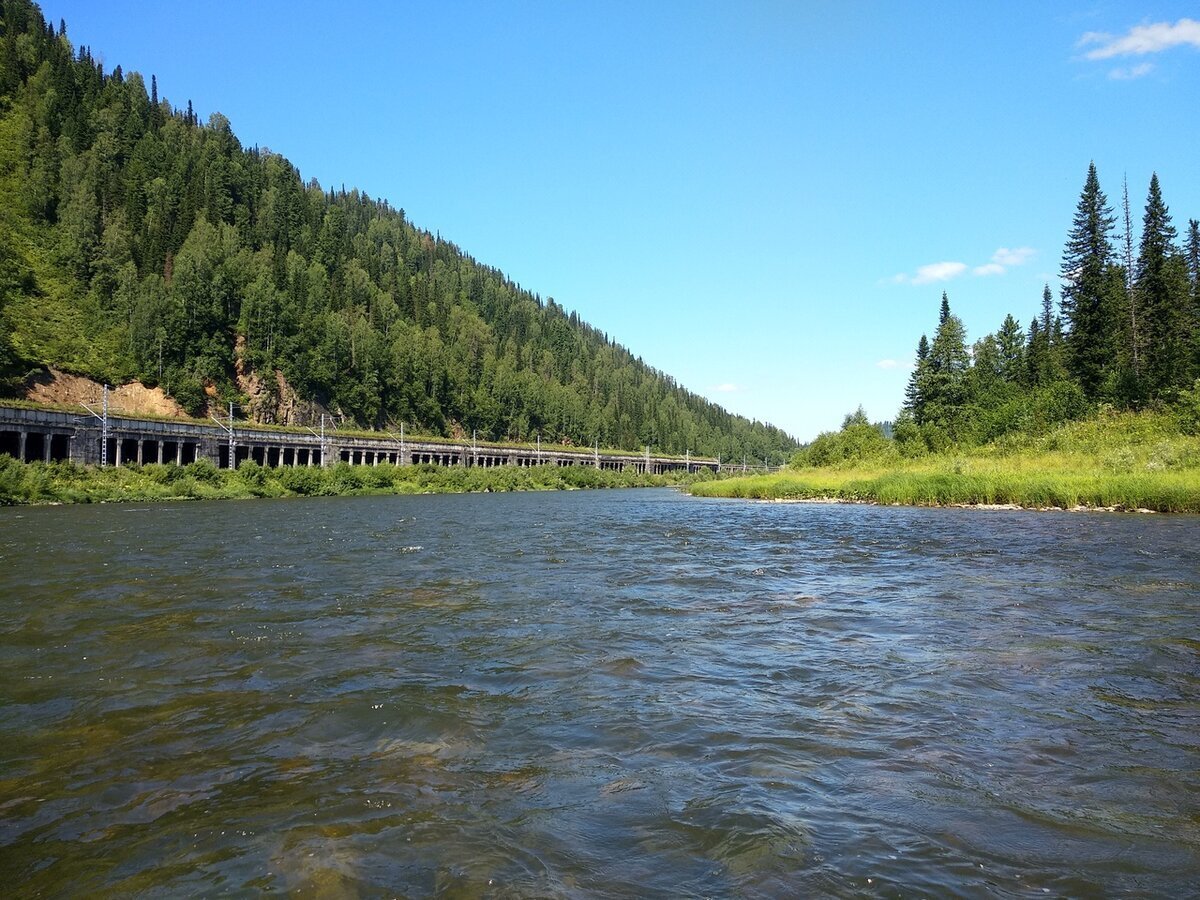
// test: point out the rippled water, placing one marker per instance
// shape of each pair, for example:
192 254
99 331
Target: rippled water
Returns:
597 694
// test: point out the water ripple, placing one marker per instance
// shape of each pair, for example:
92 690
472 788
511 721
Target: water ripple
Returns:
597 694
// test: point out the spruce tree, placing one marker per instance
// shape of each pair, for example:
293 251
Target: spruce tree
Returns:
1192 252
914 402
1163 288
1010 345
1087 293
944 385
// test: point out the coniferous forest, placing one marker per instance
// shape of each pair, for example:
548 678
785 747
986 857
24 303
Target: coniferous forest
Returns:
138 242
1125 332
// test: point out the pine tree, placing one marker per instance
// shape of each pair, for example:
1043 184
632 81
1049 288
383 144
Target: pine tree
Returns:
1133 341
1088 291
1163 287
1192 254
914 402
944 386
1010 345
1035 356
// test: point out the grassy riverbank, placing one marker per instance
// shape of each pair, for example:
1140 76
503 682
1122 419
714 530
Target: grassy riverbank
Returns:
29 483
1115 462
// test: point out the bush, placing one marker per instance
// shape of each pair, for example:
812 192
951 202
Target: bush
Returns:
204 471
856 442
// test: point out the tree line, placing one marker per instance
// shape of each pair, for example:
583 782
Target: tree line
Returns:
142 243
1126 332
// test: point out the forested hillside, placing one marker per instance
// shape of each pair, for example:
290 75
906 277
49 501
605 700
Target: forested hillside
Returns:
137 242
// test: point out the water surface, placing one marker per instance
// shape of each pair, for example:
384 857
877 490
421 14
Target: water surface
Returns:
597 694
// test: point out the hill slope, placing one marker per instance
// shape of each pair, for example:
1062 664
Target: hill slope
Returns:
137 242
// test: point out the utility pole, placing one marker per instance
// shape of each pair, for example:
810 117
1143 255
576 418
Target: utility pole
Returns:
687 460
401 443
474 449
539 450
321 435
229 431
103 417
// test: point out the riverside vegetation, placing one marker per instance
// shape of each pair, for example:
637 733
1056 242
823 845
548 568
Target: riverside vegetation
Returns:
1116 460
64 482
1096 405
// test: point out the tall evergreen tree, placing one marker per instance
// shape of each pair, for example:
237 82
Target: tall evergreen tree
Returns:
1192 252
1089 293
944 387
1010 346
1133 341
1163 287
914 402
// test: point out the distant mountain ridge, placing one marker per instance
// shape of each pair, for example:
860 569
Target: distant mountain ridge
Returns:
138 243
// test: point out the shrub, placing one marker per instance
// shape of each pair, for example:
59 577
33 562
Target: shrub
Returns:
204 471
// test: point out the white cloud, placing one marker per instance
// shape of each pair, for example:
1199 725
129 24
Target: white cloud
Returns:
1001 260
1017 257
1121 73
887 364
938 271
727 388
1143 39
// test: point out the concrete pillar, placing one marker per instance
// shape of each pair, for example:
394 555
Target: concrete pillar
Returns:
46 442
22 437
179 453
140 445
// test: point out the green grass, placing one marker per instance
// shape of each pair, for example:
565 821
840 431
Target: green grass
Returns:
62 482
1129 461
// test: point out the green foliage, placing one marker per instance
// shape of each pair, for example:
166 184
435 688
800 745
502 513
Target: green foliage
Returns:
1115 460
64 482
858 441
148 243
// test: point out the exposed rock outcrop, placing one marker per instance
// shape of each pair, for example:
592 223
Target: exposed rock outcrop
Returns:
55 387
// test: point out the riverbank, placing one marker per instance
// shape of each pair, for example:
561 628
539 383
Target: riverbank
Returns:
1121 463
45 483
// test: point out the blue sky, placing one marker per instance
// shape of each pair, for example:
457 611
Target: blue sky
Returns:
763 199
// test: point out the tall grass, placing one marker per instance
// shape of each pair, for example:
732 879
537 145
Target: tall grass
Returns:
1129 461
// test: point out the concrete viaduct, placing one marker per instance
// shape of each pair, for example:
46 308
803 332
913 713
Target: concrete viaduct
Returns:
50 435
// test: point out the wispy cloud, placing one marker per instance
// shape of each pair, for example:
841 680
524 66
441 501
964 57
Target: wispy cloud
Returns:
1123 73
1002 260
989 269
887 364
1017 257
1142 39
727 388
938 271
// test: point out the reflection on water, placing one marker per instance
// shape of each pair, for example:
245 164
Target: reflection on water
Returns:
597 694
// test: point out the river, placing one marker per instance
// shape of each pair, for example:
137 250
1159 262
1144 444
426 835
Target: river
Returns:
597 694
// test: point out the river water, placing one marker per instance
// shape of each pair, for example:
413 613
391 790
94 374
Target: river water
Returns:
597 694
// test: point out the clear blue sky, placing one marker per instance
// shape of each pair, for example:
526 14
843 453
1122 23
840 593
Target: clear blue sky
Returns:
756 197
